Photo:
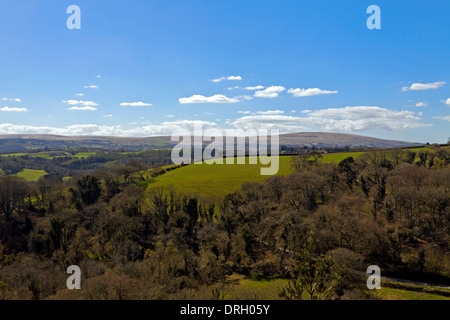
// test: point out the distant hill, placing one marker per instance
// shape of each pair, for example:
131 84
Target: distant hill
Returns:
327 139
22 143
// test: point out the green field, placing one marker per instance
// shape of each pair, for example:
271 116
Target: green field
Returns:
241 288
85 155
31 175
221 179
401 294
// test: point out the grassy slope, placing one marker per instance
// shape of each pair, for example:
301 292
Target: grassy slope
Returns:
220 180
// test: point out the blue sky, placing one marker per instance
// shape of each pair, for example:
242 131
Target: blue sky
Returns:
142 68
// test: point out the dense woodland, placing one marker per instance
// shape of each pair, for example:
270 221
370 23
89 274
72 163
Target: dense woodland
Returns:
319 225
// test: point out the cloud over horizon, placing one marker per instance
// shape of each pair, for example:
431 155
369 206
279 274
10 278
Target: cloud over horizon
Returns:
346 119
165 128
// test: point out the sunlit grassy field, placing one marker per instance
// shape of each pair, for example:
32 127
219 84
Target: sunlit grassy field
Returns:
31 175
85 155
221 179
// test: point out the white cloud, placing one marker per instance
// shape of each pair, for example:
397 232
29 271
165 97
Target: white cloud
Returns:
227 78
8 109
170 116
447 102
91 87
217 98
82 108
254 88
80 102
270 112
135 104
107 116
270 92
446 118
79 94
98 76
422 104
12 99
424 86
244 112
309 92
232 88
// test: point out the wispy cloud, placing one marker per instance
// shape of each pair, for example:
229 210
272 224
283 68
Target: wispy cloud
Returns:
91 87
79 94
446 118
298 92
227 78
270 92
217 98
244 97
424 86
107 116
8 109
12 99
269 112
135 104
